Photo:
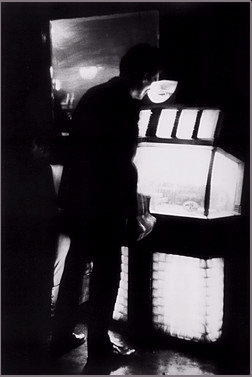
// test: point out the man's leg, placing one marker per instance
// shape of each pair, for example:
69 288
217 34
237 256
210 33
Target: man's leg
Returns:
104 283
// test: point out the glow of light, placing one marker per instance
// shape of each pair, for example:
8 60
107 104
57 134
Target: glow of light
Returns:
121 371
57 84
51 72
186 123
226 185
208 123
172 175
185 367
62 32
121 305
88 73
166 123
144 118
161 91
187 296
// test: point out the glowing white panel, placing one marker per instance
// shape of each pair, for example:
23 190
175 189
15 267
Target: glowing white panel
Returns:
121 305
226 185
186 123
187 297
144 118
174 176
166 123
208 123
215 297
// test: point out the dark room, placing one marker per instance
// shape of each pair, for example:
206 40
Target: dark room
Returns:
125 134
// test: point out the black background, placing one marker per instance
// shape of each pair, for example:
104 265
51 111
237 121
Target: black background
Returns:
205 46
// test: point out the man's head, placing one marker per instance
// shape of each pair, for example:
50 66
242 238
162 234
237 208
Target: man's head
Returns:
139 67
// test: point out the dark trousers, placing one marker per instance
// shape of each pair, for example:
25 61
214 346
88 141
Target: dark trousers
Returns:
98 240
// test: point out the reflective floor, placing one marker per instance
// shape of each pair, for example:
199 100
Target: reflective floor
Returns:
146 361
149 359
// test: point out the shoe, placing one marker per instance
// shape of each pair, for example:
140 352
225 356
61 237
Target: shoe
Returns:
122 350
65 343
78 337
112 352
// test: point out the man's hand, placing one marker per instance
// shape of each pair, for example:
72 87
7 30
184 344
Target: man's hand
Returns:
146 222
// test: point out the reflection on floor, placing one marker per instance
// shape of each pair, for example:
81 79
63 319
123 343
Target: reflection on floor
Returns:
144 362
152 357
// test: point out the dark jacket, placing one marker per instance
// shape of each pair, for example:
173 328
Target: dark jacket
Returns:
100 175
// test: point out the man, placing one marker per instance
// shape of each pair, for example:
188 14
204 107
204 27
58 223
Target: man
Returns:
99 195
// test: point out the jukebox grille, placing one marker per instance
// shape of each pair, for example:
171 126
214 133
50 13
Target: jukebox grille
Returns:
121 305
187 296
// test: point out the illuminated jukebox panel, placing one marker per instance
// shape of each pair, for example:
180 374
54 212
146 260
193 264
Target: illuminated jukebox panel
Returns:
188 296
121 306
194 189
189 180
177 124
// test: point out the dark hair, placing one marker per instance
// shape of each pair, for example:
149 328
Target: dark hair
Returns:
139 63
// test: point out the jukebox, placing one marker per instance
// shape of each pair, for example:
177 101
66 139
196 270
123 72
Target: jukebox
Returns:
175 282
